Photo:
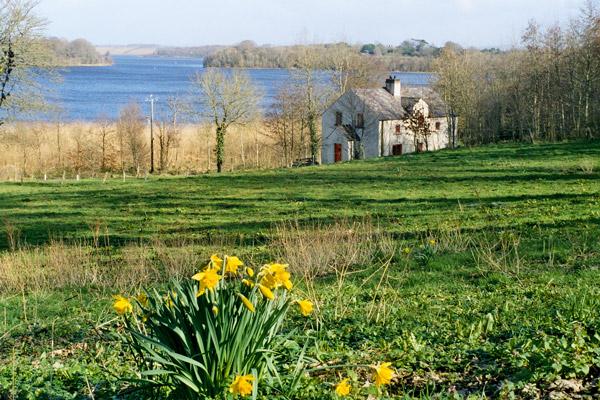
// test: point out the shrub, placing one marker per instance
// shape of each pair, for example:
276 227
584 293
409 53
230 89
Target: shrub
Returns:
214 333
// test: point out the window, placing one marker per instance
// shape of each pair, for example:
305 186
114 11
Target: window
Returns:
360 120
437 126
398 129
338 118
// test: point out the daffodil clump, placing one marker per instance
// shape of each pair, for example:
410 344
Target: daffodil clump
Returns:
214 334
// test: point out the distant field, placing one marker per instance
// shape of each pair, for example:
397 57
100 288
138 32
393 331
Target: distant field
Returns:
130 50
475 272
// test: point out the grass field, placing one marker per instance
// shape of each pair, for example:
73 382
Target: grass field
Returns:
474 271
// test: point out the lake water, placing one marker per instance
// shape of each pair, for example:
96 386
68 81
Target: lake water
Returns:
85 93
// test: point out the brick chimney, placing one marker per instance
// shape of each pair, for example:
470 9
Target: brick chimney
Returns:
392 85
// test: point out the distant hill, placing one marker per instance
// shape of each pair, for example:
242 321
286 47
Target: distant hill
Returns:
157 50
128 50
195 51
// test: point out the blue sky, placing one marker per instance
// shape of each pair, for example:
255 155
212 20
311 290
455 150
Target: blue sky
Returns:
480 23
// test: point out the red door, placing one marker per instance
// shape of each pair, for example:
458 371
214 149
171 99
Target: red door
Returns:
397 150
337 152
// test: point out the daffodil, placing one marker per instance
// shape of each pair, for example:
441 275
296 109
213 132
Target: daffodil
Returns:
432 242
215 262
122 305
142 299
232 264
209 278
169 297
275 276
248 282
306 307
242 385
250 272
266 292
383 374
342 389
215 310
246 302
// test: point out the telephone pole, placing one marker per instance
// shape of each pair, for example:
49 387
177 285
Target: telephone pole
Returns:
151 99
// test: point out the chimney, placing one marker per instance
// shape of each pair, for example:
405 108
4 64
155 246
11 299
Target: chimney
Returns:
392 85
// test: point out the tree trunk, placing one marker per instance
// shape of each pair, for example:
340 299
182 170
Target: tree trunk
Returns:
220 148
314 136
103 167
242 154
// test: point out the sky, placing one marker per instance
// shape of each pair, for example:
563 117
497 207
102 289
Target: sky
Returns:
480 23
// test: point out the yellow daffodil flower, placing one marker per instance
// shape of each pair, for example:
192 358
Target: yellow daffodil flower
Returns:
246 302
122 305
266 292
169 297
250 272
215 310
383 374
342 389
232 264
432 242
209 278
242 385
142 299
306 307
248 283
275 276
215 262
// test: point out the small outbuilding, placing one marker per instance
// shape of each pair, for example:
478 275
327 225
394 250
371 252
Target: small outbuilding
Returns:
394 120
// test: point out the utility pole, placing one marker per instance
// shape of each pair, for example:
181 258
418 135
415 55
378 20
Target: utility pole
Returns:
151 99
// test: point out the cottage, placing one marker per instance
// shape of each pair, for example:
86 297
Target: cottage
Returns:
395 120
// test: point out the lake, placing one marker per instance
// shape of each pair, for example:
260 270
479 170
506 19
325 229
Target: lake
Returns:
85 93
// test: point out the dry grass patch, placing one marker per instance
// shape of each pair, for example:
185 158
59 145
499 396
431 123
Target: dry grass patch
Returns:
339 249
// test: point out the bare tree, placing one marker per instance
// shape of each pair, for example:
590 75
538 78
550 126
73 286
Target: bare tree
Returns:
352 70
169 131
23 56
130 129
418 124
226 99
79 154
105 131
314 99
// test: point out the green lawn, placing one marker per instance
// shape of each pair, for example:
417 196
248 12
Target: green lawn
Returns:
499 186
503 303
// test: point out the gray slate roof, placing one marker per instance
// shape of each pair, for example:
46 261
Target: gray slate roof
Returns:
388 107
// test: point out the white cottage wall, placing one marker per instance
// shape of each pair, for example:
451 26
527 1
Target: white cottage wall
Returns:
436 141
350 106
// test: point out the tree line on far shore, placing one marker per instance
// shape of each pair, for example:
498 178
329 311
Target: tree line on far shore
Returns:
63 52
411 55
